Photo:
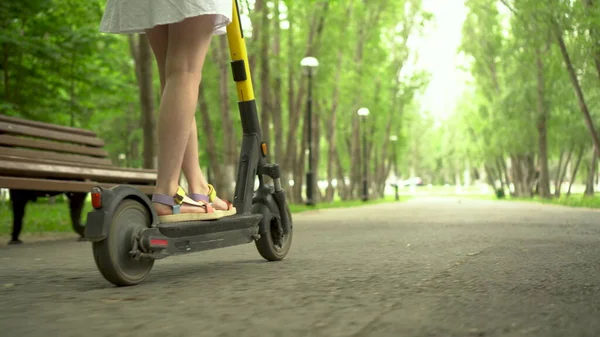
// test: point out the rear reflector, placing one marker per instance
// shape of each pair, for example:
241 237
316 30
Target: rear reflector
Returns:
159 242
96 198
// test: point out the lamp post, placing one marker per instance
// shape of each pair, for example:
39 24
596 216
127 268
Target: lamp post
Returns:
309 64
394 139
364 112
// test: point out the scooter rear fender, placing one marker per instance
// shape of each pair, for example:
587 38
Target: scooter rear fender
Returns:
98 220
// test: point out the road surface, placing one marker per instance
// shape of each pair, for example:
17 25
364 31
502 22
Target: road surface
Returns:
427 267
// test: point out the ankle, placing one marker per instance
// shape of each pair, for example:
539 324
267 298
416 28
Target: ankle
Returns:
201 188
166 190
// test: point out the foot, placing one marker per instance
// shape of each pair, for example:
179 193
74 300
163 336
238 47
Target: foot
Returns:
208 194
219 204
162 209
15 242
165 205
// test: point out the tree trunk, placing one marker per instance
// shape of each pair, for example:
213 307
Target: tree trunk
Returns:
131 122
517 175
220 180
589 186
332 126
332 130
287 164
316 148
563 172
265 109
489 175
531 174
295 99
523 174
544 179
256 33
142 55
589 5
574 175
356 170
357 156
72 89
6 77
276 106
500 172
578 91
300 164
343 189
558 170
227 168
506 175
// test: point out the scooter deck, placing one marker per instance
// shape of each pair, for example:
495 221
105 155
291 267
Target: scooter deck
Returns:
175 238
194 228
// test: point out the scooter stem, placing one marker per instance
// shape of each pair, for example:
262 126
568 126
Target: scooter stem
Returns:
253 151
239 56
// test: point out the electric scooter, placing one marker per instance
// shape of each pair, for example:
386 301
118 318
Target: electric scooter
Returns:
127 235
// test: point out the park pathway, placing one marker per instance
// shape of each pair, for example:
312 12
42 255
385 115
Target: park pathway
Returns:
427 267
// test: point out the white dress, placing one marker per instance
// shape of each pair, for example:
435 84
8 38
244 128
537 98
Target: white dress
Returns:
134 16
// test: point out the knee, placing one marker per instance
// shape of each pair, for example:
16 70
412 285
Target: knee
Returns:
183 74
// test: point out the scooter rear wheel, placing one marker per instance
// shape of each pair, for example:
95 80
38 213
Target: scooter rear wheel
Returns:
112 254
274 245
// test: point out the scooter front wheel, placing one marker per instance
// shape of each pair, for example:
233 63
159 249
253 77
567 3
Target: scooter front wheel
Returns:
112 255
274 245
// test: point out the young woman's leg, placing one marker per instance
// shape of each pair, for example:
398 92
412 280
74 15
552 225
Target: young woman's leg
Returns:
191 169
191 166
158 38
187 43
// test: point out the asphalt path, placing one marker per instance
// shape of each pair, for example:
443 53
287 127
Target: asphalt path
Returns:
426 267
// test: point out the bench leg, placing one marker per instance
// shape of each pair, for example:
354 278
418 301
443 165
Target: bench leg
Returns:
76 202
18 200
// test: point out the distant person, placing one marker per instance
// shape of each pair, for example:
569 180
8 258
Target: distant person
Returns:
179 32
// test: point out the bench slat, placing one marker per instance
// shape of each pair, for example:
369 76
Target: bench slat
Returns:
37 132
57 162
48 126
50 145
63 171
61 185
72 158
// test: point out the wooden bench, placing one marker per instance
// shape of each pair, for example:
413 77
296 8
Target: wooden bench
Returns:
41 159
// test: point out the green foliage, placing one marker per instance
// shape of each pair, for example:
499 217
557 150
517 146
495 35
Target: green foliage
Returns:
499 114
57 67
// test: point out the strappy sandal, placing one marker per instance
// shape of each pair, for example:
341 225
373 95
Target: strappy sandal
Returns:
212 194
179 199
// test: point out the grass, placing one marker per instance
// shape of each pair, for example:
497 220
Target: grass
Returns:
42 217
571 201
298 208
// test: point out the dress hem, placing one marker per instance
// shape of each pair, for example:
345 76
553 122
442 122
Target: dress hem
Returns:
109 28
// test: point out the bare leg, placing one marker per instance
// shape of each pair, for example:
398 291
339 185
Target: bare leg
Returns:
191 169
158 38
187 44
191 165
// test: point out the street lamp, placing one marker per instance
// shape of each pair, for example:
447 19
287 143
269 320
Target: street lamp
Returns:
364 112
394 139
309 64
